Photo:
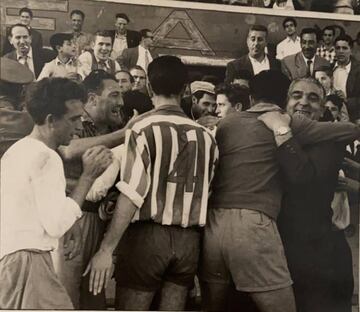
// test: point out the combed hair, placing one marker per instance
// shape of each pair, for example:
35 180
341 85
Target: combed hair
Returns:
94 81
78 12
235 94
17 25
59 39
331 28
167 75
346 38
309 30
27 10
258 28
289 19
48 96
336 100
270 86
326 69
307 79
122 15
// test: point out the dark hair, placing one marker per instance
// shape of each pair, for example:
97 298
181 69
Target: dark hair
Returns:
289 19
122 15
199 94
346 38
270 86
143 32
136 100
78 12
235 94
59 39
94 81
18 25
331 28
243 74
309 30
27 10
336 100
258 28
103 33
167 75
326 69
48 97
126 72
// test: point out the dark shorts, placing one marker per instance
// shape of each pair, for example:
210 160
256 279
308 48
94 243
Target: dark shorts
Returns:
150 253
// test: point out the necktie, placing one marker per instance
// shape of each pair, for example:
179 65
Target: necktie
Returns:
146 59
308 69
102 65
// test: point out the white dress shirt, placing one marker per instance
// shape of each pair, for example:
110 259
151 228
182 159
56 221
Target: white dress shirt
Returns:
341 74
288 47
120 44
56 68
29 60
35 211
259 66
141 58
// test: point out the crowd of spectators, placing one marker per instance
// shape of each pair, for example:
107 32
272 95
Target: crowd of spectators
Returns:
111 154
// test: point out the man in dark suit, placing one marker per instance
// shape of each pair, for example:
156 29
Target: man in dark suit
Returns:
256 60
306 62
20 38
347 75
26 15
122 37
140 55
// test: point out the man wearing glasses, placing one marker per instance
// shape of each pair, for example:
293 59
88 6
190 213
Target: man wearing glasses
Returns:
140 55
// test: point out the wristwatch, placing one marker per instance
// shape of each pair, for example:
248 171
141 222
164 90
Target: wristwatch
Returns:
282 131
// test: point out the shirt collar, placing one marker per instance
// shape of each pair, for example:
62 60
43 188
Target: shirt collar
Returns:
347 67
100 61
29 55
306 59
265 59
264 107
59 62
141 48
297 39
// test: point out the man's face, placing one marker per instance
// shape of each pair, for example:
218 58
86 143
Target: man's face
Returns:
148 40
109 104
324 79
290 28
70 123
204 107
124 81
76 22
120 25
25 18
223 106
102 47
256 42
139 79
68 49
328 37
343 52
20 39
333 109
308 45
305 98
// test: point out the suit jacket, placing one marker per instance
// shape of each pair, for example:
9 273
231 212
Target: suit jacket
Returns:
244 63
129 57
132 37
38 60
294 66
353 90
36 42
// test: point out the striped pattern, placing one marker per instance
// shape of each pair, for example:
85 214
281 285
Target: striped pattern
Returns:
168 167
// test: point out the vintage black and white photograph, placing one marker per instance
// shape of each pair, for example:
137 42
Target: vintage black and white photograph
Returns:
164 155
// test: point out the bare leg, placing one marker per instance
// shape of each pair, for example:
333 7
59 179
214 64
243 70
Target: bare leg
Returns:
173 297
133 300
280 300
214 296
